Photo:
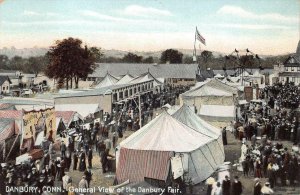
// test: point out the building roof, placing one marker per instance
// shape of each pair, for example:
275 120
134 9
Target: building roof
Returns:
83 109
7 106
12 114
157 70
145 78
67 116
107 81
298 49
125 79
3 79
212 87
94 92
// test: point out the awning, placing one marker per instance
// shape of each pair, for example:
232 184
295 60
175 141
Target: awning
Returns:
83 109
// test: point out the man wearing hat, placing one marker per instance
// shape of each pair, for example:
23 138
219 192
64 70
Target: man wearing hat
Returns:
75 160
83 184
237 188
226 186
266 190
257 187
90 157
65 180
63 149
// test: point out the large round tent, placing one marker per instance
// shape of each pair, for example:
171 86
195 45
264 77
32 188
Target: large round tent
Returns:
146 153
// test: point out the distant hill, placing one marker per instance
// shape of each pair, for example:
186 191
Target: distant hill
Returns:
37 51
25 52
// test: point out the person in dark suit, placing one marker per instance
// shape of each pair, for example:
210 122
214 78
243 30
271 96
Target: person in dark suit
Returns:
237 187
75 160
90 157
257 187
226 185
63 149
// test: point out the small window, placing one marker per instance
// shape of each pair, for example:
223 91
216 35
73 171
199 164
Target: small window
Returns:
3 88
298 68
7 88
292 68
286 69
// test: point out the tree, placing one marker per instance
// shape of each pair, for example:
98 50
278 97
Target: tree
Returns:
68 60
188 60
97 54
148 60
16 63
132 58
206 55
171 56
4 61
35 65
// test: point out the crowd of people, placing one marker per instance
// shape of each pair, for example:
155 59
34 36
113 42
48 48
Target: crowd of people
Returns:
265 125
76 150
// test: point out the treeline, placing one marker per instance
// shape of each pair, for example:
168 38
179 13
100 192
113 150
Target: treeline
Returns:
32 65
38 64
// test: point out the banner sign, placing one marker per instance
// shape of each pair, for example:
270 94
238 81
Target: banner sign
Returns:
35 123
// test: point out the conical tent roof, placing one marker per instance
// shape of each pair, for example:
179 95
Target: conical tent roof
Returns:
107 81
165 133
188 117
125 79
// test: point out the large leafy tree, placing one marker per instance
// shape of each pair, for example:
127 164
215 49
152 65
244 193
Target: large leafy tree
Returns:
69 60
171 56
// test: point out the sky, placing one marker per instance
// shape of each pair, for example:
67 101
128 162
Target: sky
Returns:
264 26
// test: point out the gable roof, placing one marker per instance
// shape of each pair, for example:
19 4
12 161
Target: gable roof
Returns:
67 116
125 79
158 70
292 60
107 81
212 87
3 79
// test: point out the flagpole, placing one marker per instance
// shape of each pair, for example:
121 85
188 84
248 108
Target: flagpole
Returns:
195 52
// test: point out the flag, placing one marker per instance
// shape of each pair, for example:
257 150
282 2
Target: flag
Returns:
199 37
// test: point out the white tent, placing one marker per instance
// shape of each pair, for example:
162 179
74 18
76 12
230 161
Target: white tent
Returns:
147 152
217 112
188 117
108 80
125 79
212 92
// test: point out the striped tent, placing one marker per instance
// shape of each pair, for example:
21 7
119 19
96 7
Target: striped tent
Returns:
146 153
7 128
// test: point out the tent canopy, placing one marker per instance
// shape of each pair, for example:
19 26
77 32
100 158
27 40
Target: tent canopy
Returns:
188 117
218 110
165 133
212 87
83 109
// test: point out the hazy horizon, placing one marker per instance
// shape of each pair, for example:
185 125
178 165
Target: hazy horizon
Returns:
265 27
